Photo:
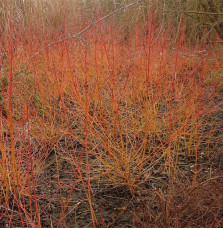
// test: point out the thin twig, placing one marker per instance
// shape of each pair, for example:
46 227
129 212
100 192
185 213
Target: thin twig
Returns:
76 36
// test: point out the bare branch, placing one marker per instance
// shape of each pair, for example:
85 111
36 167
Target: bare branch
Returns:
76 36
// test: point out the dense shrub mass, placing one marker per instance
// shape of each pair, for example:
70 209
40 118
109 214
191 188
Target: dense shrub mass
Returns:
110 113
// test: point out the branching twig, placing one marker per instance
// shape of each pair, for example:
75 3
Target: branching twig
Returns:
76 36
